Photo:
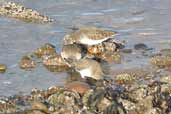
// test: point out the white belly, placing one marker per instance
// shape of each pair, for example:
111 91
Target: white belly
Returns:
85 72
85 40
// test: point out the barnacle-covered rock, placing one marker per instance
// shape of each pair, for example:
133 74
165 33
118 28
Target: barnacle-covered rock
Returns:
129 106
138 93
96 49
102 100
111 56
161 61
92 98
125 78
55 63
54 60
14 10
64 96
37 95
154 111
51 90
27 63
3 68
45 50
40 95
109 45
114 108
65 101
7 106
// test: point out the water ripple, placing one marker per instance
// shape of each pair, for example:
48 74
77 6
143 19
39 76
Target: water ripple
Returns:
92 14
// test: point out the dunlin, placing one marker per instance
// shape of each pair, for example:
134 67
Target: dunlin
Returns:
72 52
88 36
88 68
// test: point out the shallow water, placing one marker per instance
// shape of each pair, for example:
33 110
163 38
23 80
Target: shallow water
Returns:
137 21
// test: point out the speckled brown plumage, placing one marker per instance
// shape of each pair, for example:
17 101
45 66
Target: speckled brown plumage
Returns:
93 33
88 36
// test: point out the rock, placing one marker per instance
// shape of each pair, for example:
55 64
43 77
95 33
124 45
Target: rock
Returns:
154 111
45 50
129 106
141 46
109 46
111 57
125 78
103 104
165 52
3 68
55 63
80 87
161 61
65 97
14 10
7 107
27 63
30 112
95 49
54 60
39 106
126 50
166 79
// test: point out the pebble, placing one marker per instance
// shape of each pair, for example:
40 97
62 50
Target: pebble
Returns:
3 68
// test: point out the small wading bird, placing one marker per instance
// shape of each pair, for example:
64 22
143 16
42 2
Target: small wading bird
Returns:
88 36
88 68
73 52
